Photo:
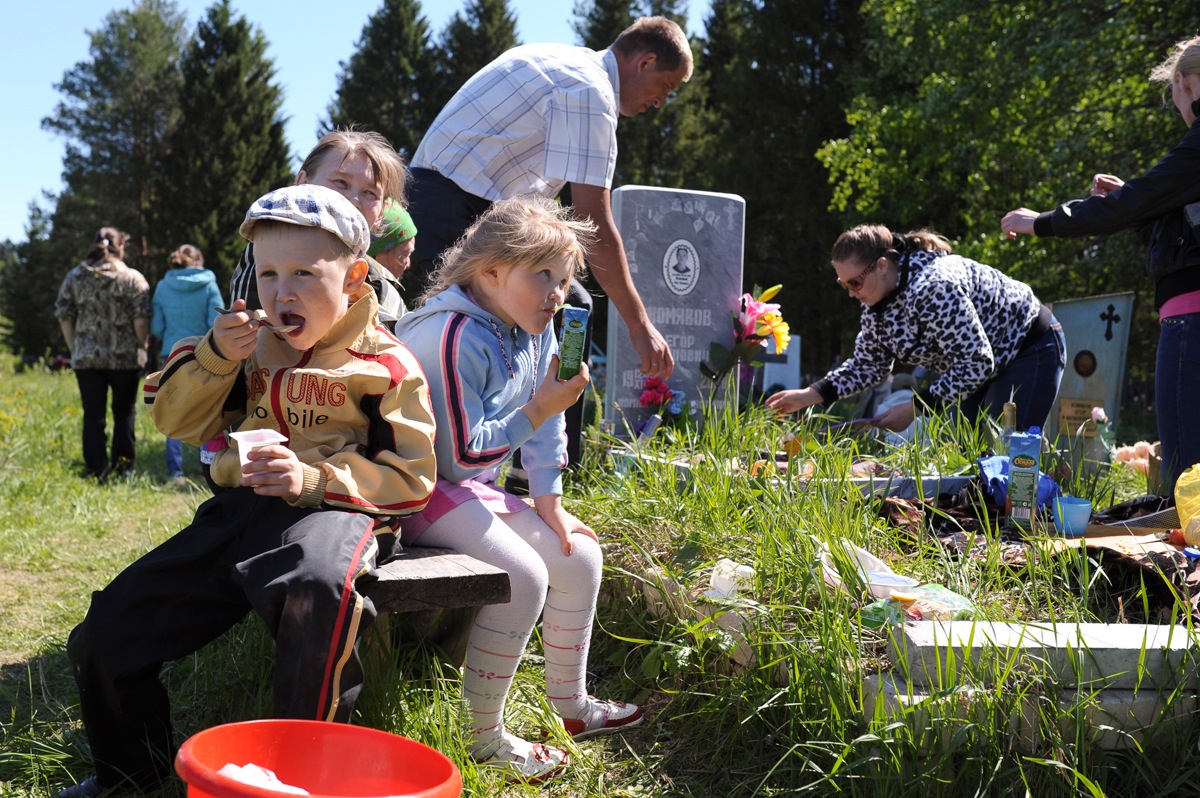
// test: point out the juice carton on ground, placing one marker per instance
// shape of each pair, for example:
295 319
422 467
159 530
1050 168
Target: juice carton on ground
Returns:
1024 461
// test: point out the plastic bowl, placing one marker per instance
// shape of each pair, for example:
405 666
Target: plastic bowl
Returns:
327 759
1071 515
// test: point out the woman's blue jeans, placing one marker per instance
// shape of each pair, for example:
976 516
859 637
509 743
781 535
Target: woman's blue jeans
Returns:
1031 381
174 458
1177 395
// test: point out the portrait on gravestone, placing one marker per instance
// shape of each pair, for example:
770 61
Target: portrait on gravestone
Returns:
681 268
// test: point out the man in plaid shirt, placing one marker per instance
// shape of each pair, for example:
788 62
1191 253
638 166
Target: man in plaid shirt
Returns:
538 117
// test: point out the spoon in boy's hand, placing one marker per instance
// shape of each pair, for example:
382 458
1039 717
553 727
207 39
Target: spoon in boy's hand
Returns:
260 316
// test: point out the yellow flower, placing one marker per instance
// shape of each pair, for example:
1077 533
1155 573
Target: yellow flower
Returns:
769 294
772 324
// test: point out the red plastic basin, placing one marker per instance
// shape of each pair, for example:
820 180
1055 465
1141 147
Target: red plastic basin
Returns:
327 759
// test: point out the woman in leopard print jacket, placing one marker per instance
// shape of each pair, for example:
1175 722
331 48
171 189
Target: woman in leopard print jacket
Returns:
985 335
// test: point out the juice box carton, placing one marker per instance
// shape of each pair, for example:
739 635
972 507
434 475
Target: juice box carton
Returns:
1024 462
574 338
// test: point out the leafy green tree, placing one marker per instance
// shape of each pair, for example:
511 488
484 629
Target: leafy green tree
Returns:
988 108
470 42
389 82
116 111
219 163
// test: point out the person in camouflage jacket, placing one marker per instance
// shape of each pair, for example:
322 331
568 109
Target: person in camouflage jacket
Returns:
103 307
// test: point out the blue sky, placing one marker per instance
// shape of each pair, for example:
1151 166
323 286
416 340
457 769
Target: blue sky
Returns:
46 38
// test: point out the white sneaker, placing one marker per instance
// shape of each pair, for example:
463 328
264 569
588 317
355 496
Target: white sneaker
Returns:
604 717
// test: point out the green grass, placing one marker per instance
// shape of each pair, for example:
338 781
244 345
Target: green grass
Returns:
792 723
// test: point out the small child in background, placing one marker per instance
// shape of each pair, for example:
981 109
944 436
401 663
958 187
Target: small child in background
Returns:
485 339
287 535
184 305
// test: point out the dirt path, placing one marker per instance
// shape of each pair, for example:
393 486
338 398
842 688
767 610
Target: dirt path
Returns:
39 608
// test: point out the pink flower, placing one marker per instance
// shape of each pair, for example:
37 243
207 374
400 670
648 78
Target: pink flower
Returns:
1099 416
753 310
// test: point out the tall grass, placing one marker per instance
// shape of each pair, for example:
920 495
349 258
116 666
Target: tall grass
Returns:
799 719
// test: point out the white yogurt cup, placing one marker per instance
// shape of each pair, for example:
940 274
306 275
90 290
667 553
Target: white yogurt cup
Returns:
253 439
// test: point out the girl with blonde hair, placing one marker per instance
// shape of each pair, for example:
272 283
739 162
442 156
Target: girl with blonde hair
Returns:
484 337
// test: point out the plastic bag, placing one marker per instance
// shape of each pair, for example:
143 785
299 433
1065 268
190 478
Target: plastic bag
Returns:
729 578
867 570
1187 503
923 603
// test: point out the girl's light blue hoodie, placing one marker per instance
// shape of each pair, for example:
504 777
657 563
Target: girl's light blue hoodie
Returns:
481 372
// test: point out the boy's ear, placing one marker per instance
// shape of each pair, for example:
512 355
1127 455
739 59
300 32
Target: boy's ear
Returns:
356 275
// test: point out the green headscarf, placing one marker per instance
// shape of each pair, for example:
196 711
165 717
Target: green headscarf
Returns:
397 227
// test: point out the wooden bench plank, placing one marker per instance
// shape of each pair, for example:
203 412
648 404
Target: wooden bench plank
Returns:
427 578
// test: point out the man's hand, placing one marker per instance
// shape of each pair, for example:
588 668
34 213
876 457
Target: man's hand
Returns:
657 360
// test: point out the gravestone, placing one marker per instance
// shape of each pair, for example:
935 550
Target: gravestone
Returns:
781 372
1097 333
685 253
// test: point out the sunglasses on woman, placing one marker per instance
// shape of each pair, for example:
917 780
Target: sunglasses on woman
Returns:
856 282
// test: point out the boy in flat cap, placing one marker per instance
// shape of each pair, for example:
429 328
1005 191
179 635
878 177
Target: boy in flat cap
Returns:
287 534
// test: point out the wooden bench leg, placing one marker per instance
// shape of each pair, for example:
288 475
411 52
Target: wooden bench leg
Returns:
447 629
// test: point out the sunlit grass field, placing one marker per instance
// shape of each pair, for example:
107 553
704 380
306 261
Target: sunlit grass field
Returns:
790 722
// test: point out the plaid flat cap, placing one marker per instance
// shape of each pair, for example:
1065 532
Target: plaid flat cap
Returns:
311 206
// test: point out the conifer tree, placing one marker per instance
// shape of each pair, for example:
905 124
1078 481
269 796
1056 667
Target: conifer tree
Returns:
229 147
774 96
471 41
116 112
387 84
598 22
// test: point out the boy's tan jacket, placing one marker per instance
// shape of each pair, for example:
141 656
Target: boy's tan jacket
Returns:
355 409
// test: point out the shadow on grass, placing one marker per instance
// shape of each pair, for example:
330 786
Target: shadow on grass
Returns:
43 747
